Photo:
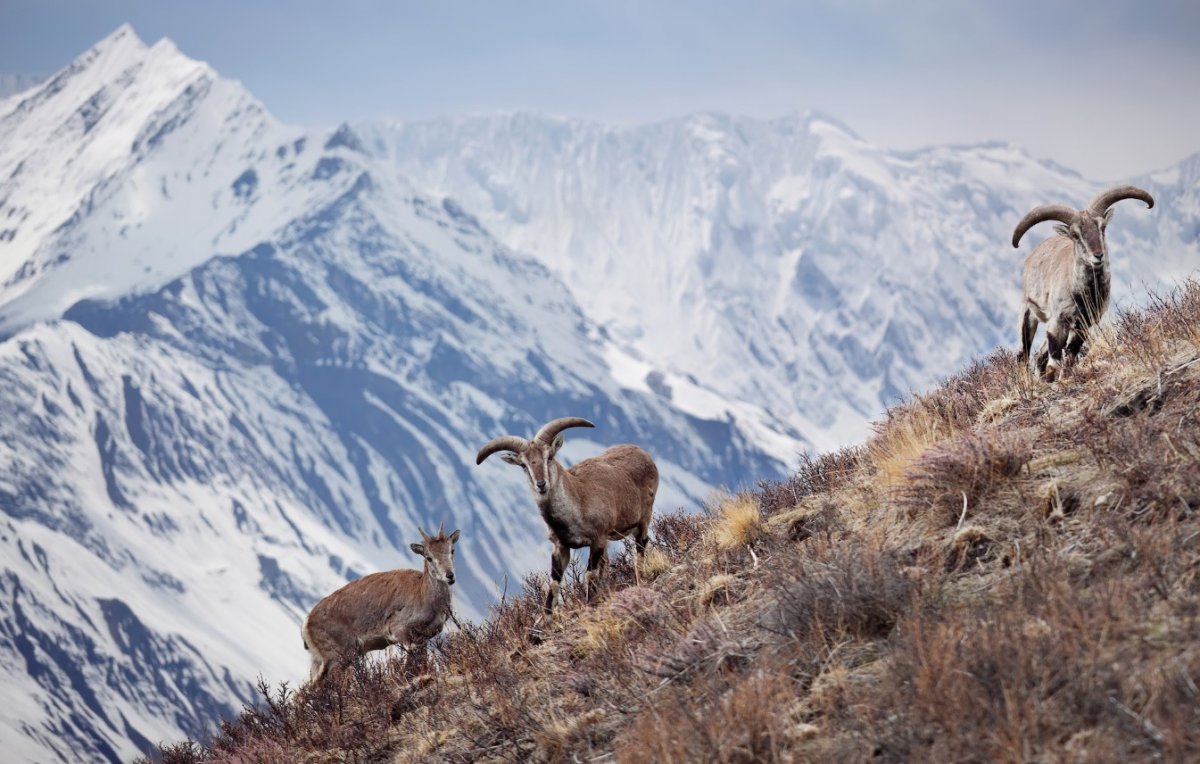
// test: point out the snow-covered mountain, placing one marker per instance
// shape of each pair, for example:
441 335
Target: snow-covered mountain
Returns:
241 363
788 263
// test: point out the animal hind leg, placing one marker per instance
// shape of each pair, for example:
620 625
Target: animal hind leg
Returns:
640 540
597 557
319 662
318 669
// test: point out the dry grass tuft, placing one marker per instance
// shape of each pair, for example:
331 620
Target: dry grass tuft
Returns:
738 523
970 546
995 410
653 564
718 586
951 477
900 440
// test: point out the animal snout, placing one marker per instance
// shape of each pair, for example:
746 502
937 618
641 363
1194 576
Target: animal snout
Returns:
449 578
541 486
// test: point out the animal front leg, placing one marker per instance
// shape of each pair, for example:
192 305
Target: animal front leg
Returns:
1043 358
414 659
1075 343
1029 325
558 564
1056 336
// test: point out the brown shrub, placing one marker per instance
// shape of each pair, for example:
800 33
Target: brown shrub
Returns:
962 470
1014 682
815 474
678 532
738 720
836 589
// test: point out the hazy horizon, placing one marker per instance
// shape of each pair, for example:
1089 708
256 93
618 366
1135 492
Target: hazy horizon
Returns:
1094 86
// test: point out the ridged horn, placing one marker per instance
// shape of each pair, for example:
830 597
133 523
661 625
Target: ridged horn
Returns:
554 427
1106 199
502 443
1060 212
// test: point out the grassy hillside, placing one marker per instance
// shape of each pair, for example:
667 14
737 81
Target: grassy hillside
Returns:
1006 571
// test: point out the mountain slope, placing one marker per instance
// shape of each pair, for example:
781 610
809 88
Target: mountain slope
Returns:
243 362
1005 570
788 262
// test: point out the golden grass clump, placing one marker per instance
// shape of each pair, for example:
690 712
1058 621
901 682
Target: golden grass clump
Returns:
717 585
996 409
601 629
901 439
739 523
790 520
653 564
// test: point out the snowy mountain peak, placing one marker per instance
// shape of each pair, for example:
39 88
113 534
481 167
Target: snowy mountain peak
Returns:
121 45
115 170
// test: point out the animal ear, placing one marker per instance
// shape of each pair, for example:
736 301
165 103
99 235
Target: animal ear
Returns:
454 536
511 459
1062 230
418 548
559 439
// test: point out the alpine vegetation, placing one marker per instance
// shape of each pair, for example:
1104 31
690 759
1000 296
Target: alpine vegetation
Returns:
396 607
1067 277
1052 619
601 499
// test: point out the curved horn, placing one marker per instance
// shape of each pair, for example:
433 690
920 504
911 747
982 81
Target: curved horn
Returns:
1106 199
554 427
1060 212
502 443
424 536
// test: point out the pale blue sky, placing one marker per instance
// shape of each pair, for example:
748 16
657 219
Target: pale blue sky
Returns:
1109 87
